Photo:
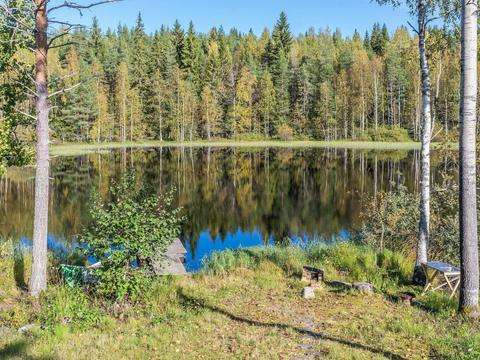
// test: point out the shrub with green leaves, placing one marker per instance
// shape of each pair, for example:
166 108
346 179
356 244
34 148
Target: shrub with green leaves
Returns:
390 221
128 235
386 134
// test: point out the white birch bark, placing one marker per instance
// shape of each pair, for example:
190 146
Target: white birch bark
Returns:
468 193
38 280
424 226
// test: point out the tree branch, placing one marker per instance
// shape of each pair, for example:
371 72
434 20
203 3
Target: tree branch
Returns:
25 114
80 7
64 44
64 90
414 29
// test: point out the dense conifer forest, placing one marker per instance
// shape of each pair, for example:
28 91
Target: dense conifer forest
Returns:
179 84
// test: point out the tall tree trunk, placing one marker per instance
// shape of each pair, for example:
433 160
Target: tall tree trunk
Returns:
124 116
362 119
468 192
345 124
131 124
446 116
209 137
375 82
38 281
424 226
160 119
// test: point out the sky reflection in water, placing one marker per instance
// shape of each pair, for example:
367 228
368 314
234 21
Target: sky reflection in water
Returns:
231 197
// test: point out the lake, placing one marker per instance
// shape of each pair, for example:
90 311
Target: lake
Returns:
231 197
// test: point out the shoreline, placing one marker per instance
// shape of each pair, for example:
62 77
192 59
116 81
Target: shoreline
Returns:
73 149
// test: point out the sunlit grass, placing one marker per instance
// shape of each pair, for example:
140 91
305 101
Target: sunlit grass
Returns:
250 308
72 149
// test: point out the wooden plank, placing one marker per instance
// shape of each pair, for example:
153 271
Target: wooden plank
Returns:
173 263
176 248
171 266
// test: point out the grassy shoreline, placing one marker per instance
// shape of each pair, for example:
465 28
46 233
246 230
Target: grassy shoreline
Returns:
72 149
246 304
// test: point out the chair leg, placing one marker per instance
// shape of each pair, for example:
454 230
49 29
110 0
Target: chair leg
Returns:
448 282
457 284
429 279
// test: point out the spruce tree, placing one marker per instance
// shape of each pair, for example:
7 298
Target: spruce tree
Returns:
281 35
178 40
139 59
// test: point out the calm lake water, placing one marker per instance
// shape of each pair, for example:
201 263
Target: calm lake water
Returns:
231 197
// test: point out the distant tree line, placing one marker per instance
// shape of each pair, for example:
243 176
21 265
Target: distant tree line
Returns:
183 85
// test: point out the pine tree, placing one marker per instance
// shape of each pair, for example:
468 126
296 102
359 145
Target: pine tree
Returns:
96 44
78 105
281 82
192 53
282 37
178 40
378 40
139 59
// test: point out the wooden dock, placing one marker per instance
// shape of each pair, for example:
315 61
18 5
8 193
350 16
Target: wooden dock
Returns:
174 260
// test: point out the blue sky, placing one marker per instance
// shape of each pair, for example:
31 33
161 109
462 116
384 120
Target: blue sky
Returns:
347 15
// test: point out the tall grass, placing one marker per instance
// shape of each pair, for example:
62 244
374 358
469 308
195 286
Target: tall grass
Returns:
343 260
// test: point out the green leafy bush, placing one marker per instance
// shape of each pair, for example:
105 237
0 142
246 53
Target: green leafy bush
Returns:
128 235
386 134
285 132
390 221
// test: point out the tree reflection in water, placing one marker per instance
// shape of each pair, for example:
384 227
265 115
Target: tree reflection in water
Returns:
231 196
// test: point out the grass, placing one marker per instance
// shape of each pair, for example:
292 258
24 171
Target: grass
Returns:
73 149
245 305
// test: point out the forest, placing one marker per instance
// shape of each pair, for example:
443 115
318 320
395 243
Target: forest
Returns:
178 84
243 194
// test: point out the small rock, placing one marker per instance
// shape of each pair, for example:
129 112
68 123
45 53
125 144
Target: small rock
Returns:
26 328
407 298
308 293
363 287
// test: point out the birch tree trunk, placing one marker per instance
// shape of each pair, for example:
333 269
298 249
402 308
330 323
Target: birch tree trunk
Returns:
38 280
424 226
160 119
468 193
